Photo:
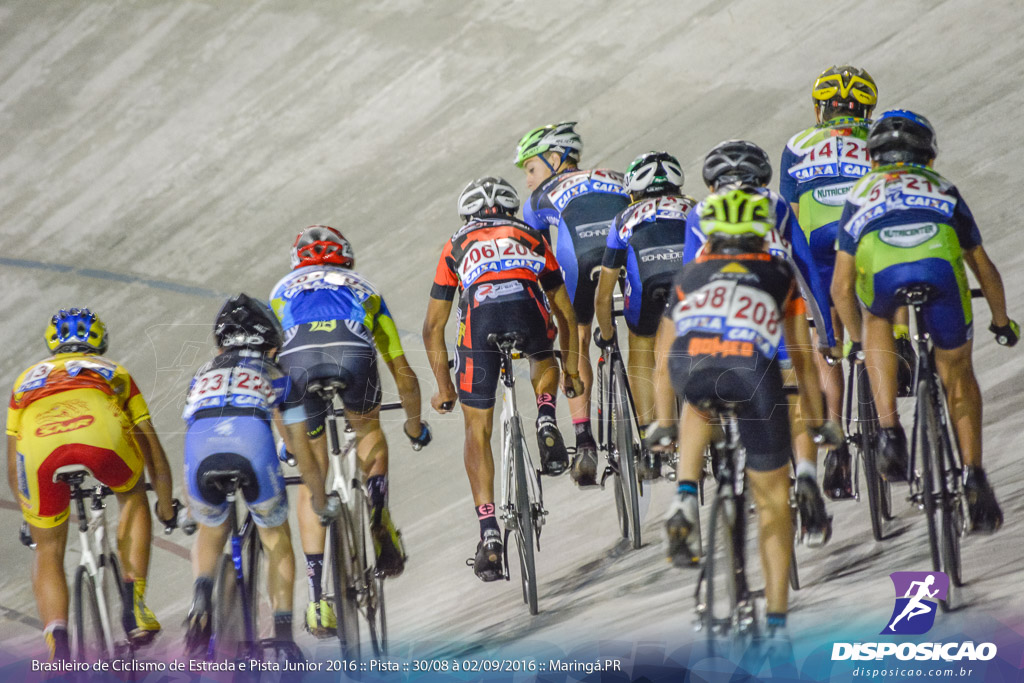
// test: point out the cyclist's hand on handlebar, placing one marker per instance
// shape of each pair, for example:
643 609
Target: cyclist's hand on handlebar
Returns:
572 385
444 400
660 437
330 509
1006 335
603 343
422 439
828 434
168 517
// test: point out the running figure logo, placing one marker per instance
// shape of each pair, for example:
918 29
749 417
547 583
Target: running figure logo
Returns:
917 596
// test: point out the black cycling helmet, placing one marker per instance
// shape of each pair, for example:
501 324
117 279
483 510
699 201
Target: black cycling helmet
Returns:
488 196
247 323
737 161
901 136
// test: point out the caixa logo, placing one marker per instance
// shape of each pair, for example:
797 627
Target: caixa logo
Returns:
916 604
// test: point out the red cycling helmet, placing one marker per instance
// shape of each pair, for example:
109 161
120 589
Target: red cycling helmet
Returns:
318 245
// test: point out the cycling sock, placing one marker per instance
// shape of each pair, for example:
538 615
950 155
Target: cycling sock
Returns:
56 636
686 488
485 515
806 469
377 490
128 606
283 626
776 618
203 587
582 429
545 406
901 331
314 573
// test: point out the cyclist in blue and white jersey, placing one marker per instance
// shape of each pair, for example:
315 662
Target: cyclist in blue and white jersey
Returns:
228 411
646 241
335 321
579 205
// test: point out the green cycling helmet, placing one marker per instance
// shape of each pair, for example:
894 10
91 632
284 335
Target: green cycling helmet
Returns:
557 137
737 212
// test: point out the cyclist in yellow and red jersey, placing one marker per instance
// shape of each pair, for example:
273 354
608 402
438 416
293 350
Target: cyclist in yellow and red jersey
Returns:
80 408
506 276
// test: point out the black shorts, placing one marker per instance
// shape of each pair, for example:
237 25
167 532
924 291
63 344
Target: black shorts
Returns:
477 363
754 383
332 350
654 294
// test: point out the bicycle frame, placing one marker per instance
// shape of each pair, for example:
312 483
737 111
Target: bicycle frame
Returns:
510 412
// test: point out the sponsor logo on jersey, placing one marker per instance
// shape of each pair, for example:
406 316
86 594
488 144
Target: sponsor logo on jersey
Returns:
323 326
715 346
833 195
36 378
671 253
225 427
22 477
907 236
64 417
596 229
494 291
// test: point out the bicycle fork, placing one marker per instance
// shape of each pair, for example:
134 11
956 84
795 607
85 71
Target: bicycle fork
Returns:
94 523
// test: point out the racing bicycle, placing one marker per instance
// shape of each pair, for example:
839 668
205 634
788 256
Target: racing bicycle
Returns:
862 435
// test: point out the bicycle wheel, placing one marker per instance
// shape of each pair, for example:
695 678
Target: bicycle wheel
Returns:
794 572
867 421
954 514
228 638
622 430
524 518
252 566
90 643
930 452
370 586
721 596
340 591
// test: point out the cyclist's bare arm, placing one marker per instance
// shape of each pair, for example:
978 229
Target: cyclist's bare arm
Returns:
438 311
798 345
157 467
603 303
796 210
408 392
297 443
844 296
990 281
12 456
569 338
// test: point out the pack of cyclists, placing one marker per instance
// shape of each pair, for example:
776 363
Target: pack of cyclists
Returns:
717 295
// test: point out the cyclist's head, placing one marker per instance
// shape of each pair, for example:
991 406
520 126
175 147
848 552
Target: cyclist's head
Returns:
736 161
488 197
736 217
844 91
548 150
244 322
653 174
76 329
320 244
901 136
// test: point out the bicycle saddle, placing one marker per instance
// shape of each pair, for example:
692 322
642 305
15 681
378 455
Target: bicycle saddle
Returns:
505 339
72 474
717 406
226 474
327 389
917 294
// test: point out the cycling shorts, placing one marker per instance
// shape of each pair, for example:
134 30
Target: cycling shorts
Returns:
75 427
331 350
752 382
823 252
235 442
643 310
477 363
581 270
938 261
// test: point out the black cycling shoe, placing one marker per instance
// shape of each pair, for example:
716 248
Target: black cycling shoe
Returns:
584 464
815 523
905 366
892 453
554 459
986 517
199 629
649 465
682 532
837 482
487 564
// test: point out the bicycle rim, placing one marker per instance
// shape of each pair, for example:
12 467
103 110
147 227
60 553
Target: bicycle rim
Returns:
252 554
341 592
228 639
371 588
89 641
626 458
524 520
929 454
794 572
721 596
868 427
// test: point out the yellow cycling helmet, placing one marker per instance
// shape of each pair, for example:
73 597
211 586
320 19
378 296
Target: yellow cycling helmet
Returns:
76 329
846 86
737 211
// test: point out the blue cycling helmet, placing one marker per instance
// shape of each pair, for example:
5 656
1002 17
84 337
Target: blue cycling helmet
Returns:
901 136
76 330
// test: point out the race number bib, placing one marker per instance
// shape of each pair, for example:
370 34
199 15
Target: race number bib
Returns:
834 157
734 311
494 256
240 387
897 192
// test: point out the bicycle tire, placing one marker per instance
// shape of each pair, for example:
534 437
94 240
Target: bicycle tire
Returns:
929 453
371 586
794 571
954 514
89 641
252 567
227 640
341 590
623 443
524 519
723 512
867 422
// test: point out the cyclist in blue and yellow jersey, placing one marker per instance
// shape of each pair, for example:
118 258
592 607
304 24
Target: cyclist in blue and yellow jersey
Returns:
78 407
335 321
819 166
905 224
740 161
506 280
229 407
646 240
728 312
580 206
